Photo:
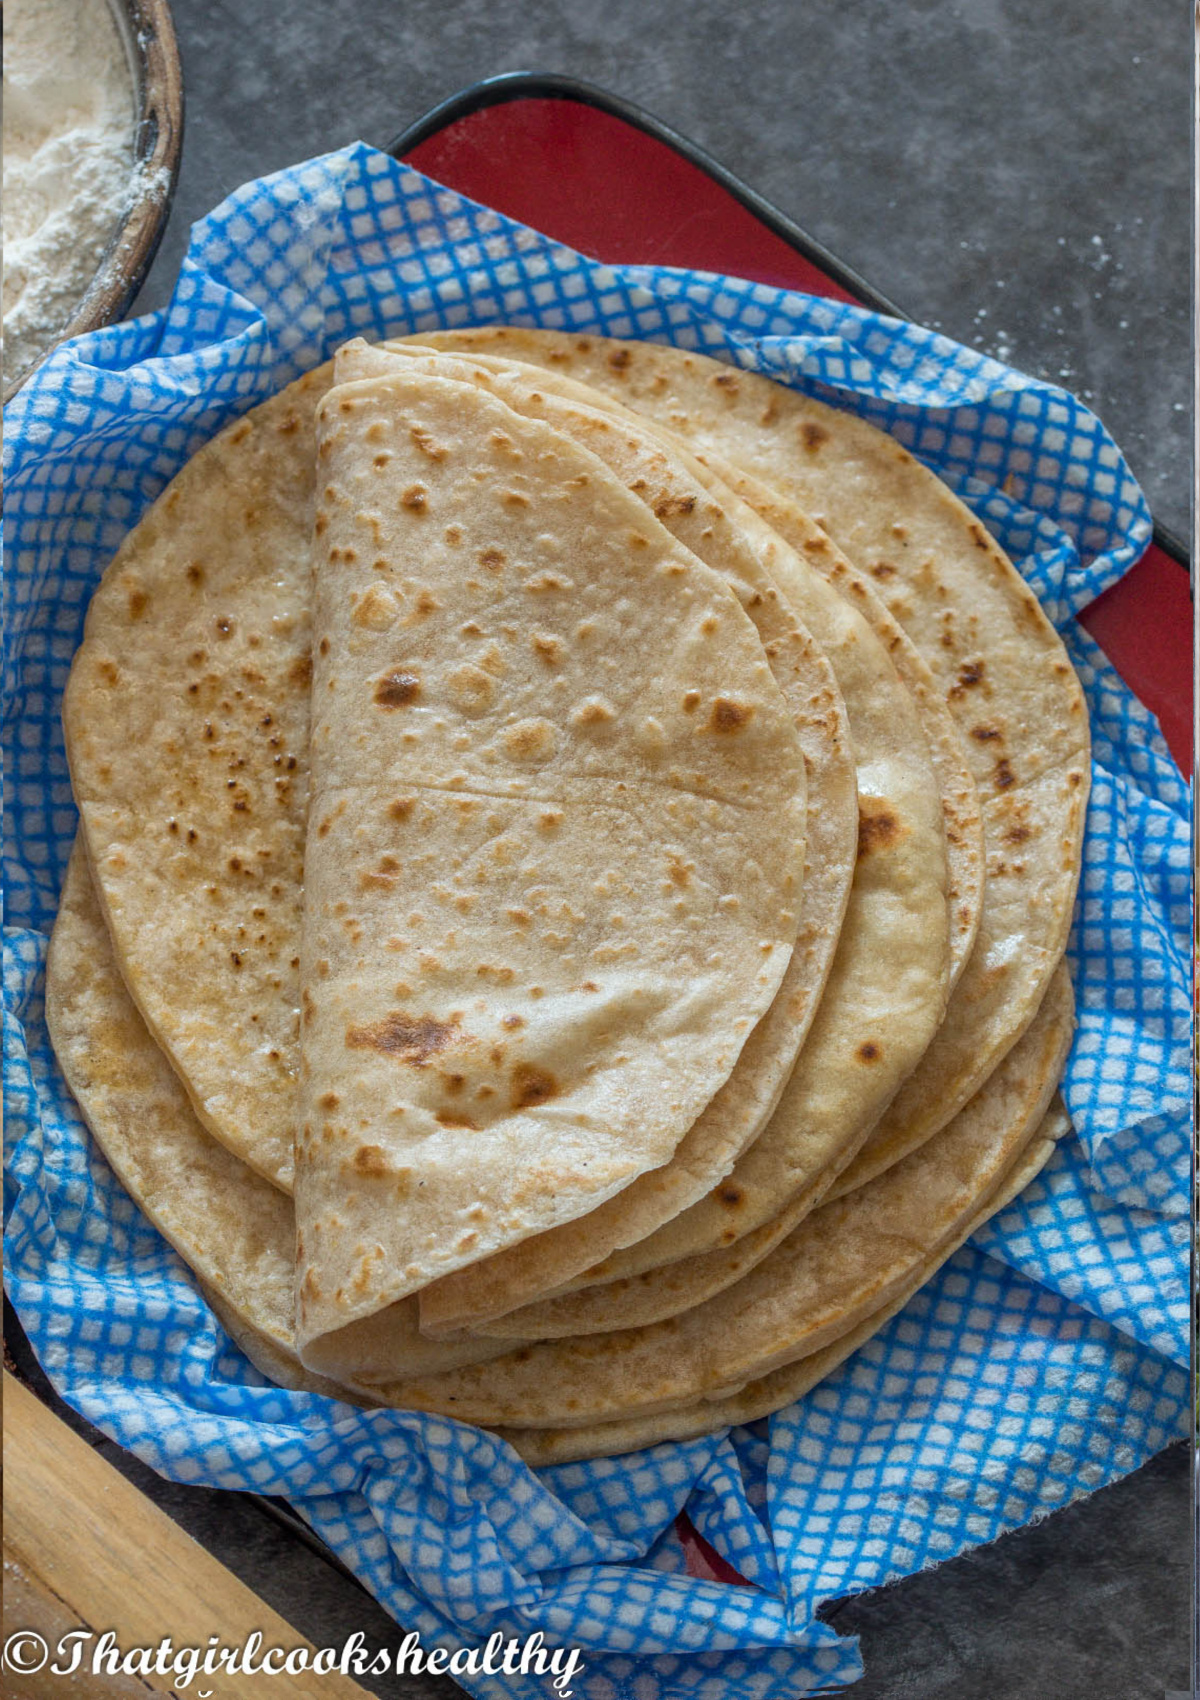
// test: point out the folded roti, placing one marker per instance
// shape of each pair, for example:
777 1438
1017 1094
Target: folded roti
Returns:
740 1108
1001 666
555 843
847 1073
461 743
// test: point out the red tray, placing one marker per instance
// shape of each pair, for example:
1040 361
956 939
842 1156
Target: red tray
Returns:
606 178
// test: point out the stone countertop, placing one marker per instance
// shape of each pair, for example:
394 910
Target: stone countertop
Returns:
1015 174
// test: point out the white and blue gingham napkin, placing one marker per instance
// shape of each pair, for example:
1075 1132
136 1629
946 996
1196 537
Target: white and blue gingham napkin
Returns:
1045 1359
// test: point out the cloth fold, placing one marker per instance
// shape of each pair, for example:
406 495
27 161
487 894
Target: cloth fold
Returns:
1046 1358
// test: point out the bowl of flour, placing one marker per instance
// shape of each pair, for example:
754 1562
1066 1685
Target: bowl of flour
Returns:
93 121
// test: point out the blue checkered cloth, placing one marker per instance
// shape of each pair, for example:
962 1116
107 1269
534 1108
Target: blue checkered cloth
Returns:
1046 1358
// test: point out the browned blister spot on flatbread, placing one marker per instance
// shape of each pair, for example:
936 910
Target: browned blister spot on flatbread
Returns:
411 1039
543 583
970 676
397 689
869 1051
375 610
471 689
424 603
879 827
595 711
679 871
530 740
671 506
370 1160
546 647
425 441
730 716
382 878
531 1085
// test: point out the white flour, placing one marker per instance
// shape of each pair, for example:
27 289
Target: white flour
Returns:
68 162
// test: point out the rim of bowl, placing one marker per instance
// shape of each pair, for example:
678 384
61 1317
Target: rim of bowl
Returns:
148 33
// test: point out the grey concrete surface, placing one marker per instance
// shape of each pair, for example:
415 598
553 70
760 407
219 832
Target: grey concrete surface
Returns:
1090 1603
1015 172
1012 171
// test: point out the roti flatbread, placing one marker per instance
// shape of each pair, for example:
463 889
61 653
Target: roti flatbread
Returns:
555 843
890 972
740 1108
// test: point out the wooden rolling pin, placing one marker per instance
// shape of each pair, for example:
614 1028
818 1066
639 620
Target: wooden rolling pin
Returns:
85 1549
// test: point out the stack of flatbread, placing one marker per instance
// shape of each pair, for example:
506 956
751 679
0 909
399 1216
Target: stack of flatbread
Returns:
576 848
